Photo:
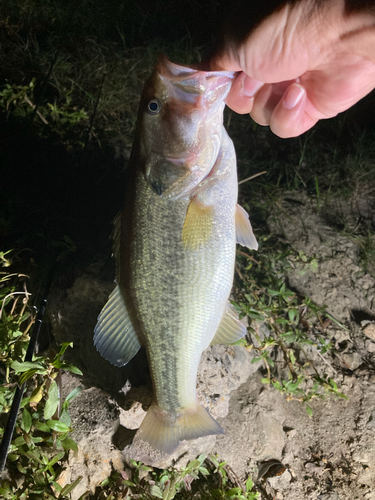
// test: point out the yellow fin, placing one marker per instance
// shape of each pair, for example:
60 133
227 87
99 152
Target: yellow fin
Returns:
244 231
164 431
198 224
230 328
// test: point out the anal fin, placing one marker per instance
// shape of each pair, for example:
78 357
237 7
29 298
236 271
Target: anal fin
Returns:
244 231
230 328
115 337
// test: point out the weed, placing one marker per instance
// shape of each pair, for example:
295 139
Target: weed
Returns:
201 478
366 244
51 118
41 438
288 320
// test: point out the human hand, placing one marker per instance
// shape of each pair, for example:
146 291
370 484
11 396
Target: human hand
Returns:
303 63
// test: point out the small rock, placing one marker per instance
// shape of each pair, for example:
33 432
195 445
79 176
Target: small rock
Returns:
280 482
291 433
362 456
352 360
332 495
370 346
368 329
132 419
313 468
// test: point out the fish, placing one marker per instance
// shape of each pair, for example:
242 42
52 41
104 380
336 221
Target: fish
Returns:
175 243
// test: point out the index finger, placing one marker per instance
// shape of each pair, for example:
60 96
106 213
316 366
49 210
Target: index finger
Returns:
241 95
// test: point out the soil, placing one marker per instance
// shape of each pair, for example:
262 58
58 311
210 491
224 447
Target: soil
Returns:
328 456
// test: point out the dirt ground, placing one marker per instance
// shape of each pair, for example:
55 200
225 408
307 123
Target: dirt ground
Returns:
330 456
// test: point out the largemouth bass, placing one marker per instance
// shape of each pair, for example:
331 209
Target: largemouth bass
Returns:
174 245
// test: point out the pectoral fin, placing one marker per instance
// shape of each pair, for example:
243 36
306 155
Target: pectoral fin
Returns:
197 228
244 231
230 328
115 337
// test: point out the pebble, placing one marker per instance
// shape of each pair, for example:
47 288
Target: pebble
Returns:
353 360
370 346
368 329
332 495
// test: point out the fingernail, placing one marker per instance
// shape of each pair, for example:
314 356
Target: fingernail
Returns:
293 95
250 86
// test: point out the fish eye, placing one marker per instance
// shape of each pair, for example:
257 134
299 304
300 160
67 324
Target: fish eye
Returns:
154 107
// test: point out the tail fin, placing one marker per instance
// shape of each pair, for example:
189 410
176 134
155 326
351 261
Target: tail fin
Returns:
164 431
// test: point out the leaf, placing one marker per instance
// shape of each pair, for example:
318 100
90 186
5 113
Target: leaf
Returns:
41 426
70 487
19 441
56 458
203 471
25 366
26 421
194 464
265 380
65 417
36 395
73 394
309 411
156 491
57 486
252 313
249 484
233 492
269 361
29 441
242 342
126 482
52 401
25 402
35 456
58 426
21 469
71 368
69 444
30 373
64 346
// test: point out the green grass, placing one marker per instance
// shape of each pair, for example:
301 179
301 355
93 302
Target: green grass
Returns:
41 439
